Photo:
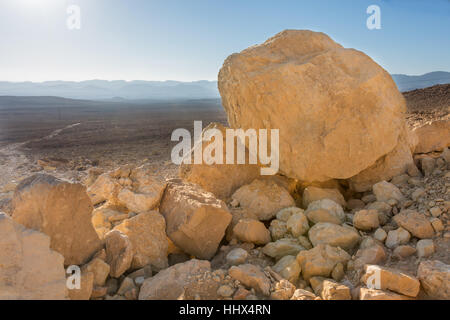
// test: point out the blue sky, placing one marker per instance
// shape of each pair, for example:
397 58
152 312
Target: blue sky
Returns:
189 39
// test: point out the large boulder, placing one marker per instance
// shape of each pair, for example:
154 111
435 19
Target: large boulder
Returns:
388 166
186 281
196 219
336 109
60 209
220 179
264 197
29 269
433 136
147 234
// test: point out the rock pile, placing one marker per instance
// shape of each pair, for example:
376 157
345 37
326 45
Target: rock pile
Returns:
355 212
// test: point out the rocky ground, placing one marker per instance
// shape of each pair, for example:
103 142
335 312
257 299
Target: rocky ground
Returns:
140 227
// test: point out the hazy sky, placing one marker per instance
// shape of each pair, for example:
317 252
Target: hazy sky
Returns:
189 39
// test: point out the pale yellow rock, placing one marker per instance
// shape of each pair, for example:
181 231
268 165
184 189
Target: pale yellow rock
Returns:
147 233
321 260
334 235
390 279
434 277
282 247
425 248
297 224
251 276
366 220
60 209
374 294
253 231
29 269
101 220
384 191
183 281
220 179
283 290
416 223
331 290
397 237
314 91
196 219
86 286
434 136
325 210
119 252
99 268
263 197
301 294
388 166
104 188
278 229
288 268
312 193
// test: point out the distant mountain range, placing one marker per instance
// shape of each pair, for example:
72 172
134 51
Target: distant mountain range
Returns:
120 90
408 83
114 90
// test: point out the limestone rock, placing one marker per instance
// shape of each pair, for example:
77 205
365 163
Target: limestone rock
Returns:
315 92
86 286
29 269
435 279
104 188
301 294
384 191
325 210
425 248
282 247
403 251
366 220
297 224
181 281
390 279
99 268
119 252
283 290
374 294
147 234
60 209
278 229
397 237
311 194
220 179
264 197
372 253
416 223
331 290
434 136
196 220
237 256
288 268
321 260
334 235
390 165
251 276
253 231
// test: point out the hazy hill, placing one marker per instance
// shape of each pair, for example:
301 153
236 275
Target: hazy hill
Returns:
407 83
120 90
101 89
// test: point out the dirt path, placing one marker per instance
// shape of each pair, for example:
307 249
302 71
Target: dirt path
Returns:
15 165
